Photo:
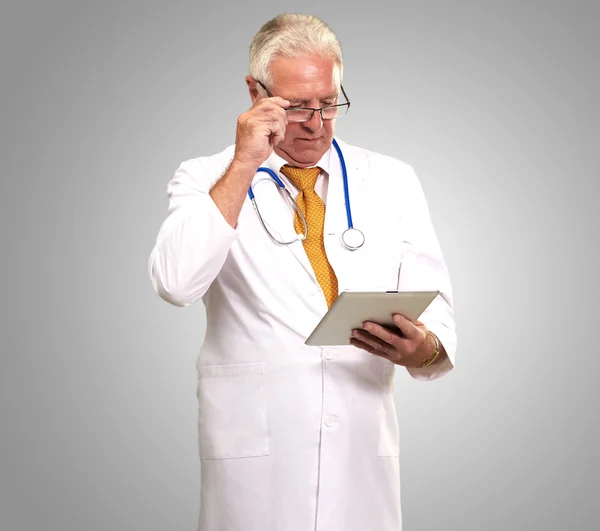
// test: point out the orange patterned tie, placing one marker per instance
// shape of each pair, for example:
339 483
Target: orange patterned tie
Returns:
313 208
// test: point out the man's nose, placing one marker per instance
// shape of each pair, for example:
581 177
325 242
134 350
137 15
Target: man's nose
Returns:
315 123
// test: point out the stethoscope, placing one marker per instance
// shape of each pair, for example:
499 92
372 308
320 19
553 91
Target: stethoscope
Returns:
351 238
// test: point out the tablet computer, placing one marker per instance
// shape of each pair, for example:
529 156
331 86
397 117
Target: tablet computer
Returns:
352 308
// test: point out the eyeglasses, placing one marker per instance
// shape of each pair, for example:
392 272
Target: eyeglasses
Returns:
304 114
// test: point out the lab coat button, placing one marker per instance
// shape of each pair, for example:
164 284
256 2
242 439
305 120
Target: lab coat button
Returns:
330 421
328 354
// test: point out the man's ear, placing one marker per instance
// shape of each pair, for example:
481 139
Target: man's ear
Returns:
252 89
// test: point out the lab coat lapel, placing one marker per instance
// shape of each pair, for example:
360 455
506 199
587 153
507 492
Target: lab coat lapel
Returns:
298 251
278 215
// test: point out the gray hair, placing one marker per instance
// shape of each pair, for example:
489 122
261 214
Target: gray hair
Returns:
292 35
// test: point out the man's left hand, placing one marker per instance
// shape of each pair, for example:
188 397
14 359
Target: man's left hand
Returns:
410 345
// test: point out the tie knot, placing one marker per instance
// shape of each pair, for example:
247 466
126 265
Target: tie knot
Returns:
303 178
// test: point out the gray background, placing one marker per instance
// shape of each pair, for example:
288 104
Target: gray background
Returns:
495 104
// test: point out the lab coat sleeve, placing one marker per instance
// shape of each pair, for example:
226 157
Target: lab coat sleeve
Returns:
424 268
194 240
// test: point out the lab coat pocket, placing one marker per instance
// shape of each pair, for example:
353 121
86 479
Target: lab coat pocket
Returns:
232 411
389 435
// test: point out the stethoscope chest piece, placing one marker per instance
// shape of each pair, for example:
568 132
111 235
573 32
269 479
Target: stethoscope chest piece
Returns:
353 239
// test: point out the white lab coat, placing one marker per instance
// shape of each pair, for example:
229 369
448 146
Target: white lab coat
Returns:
292 437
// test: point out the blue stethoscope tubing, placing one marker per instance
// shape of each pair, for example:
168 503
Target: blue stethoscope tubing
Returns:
352 238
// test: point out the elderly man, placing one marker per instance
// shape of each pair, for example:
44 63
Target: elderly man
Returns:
295 437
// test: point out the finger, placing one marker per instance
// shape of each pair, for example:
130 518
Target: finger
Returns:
272 116
272 103
374 342
278 135
365 346
383 333
270 128
282 102
408 329
276 139
268 113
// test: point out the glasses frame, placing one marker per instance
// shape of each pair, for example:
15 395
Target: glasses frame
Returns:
319 110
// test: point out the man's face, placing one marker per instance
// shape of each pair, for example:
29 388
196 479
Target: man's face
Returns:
305 82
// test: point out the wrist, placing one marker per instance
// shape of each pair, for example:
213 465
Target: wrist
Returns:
243 167
435 352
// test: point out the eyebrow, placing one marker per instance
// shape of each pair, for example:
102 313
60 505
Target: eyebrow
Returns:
303 101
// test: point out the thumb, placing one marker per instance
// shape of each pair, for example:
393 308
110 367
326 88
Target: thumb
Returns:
408 329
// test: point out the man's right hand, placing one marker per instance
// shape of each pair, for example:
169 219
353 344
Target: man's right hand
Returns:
259 130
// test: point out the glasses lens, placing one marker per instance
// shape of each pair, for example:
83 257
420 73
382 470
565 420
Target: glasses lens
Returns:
329 113
303 115
298 115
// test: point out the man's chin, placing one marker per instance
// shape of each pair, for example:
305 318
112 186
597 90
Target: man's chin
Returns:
306 155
